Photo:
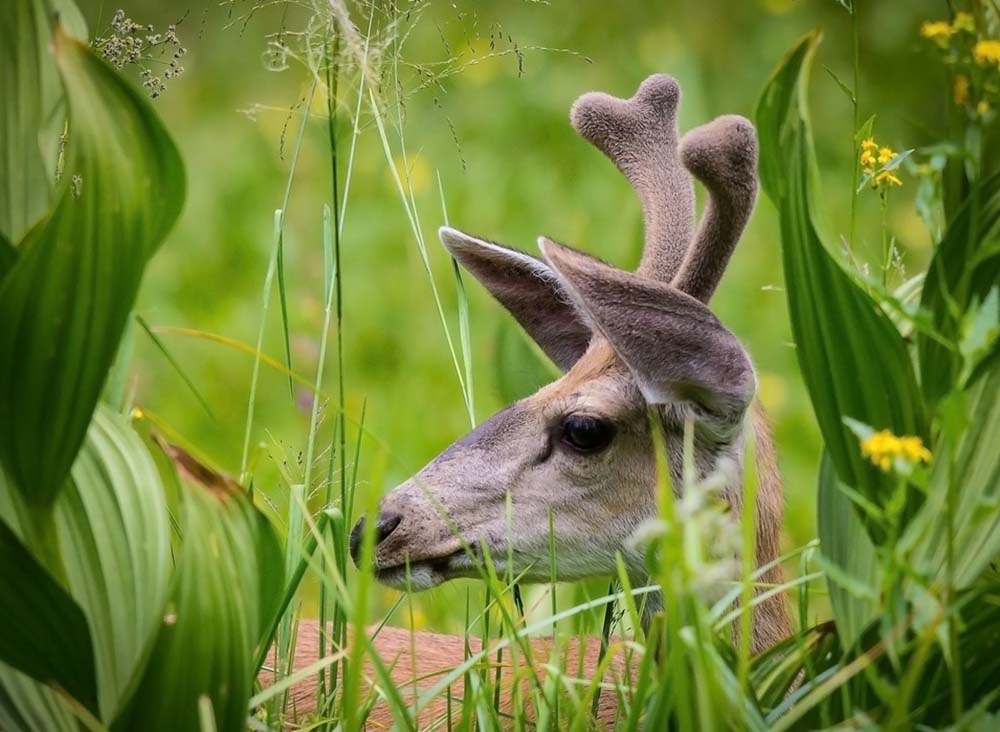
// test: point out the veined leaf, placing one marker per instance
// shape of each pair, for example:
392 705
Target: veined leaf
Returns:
32 98
853 360
227 582
32 706
964 269
114 536
46 635
66 300
976 482
778 670
8 255
844 543
111 540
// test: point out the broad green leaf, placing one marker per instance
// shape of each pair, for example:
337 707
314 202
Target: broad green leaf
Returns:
25 184
46 635
28 706
32 99
66 301
111 535
965 267
853 360
115 541
8 255
855 577
227 581
780 669
980 332
976 485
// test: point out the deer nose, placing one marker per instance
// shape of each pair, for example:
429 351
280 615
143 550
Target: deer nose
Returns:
384 525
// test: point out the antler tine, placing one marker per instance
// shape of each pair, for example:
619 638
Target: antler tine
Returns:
723 156
639 135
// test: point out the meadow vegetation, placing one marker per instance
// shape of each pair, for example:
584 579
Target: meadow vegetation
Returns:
191 455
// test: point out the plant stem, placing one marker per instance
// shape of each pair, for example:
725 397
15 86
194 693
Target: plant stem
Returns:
279 223
955 669
886 243
327 688
857 123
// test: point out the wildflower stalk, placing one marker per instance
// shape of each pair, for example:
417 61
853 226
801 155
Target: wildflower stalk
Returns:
325 688
955 669
857 122
886 243
272 267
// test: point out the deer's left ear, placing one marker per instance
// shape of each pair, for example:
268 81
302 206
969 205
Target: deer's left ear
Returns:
530 291
676 349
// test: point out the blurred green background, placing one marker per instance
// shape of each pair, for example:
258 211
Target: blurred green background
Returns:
511 168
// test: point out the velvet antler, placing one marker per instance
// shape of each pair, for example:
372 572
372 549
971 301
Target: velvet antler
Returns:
640 136
723 156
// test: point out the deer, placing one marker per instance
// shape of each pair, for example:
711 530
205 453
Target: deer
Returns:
581 449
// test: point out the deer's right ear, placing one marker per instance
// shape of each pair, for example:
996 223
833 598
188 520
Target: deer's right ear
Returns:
528 288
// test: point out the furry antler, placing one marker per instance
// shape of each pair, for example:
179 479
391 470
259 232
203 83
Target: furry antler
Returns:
723 156
640 136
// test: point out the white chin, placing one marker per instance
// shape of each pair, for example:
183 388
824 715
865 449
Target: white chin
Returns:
419 577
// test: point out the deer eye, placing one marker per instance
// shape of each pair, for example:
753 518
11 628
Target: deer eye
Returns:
586 434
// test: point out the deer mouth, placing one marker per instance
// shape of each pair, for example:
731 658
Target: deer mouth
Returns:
422 574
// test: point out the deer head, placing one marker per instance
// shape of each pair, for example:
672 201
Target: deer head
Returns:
580 449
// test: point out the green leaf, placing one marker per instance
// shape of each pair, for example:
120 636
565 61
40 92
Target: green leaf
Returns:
864 132
46 634
65 303
228 579
776 672
976 485
980 332
840 332
111 537
850 564
965 267
31 121
32 706
165 352
8 255
848 92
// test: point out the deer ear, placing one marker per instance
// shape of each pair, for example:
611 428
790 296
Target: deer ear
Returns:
676 349
529 289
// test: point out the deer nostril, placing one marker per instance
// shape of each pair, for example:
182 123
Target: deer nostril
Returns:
384 525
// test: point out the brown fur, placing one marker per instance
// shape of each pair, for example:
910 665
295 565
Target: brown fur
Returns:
771 616
426 657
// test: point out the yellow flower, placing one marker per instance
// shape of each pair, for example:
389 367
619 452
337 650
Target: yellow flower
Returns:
961 89
937 30
912 449
964 22
883 447
983 108
875 156
887 179
987 52
868 157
